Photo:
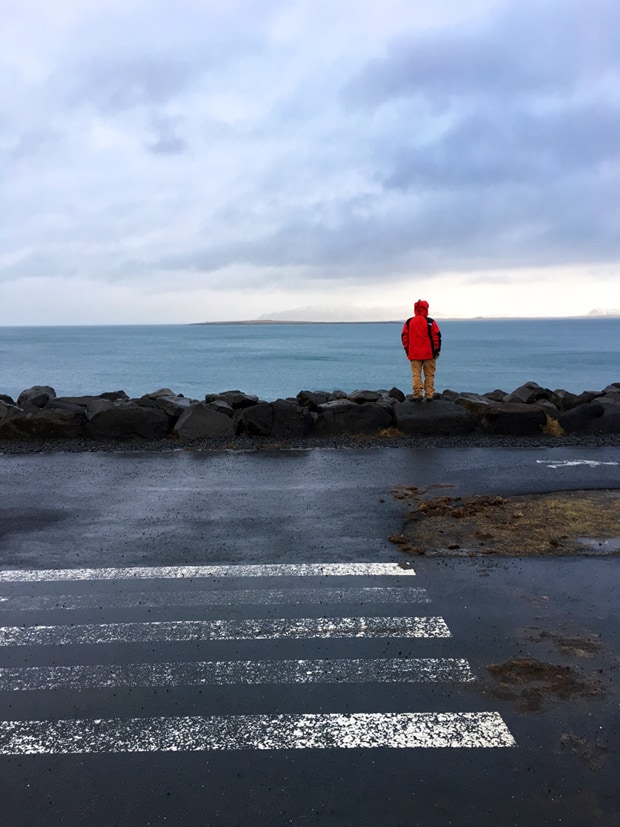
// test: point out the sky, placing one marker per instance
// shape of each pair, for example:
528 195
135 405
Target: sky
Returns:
213 160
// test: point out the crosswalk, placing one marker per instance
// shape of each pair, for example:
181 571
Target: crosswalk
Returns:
66 633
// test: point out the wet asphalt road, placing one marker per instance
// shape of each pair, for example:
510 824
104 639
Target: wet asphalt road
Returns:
319 506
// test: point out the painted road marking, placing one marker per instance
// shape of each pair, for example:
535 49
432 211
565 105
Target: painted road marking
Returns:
400 730
569 463
228 597
191 572
330 730
333 670
254 629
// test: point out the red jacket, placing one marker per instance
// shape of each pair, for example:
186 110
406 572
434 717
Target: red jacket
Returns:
421 335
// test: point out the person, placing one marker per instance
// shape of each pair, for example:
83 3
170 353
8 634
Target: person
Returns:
421 339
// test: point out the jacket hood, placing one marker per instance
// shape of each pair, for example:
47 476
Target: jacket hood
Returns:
420 308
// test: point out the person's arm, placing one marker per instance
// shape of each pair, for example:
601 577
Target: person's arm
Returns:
405 337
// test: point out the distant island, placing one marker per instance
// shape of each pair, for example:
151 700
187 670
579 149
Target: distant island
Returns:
596 313
607 313
294 321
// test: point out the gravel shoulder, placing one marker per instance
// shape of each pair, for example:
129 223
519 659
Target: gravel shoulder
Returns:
246 443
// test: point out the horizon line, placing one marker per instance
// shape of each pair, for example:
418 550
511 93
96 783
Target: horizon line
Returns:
396 321
313 321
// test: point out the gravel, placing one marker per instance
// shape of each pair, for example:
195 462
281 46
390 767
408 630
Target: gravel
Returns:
246 443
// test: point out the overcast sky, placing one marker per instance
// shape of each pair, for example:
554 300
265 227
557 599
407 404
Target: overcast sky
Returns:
329 159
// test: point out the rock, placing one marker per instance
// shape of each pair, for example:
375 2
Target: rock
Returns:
35 398
397 394
437 417
281 418
56 424
145 402
312 399
98 405
257 420
528 393
549 408
173 406
364 396
236 399
162 392
66 404
290 420
127 420
474 403
524 393
514 419
200 422
345 417
220 406
90 405
386 401
113 396
497 395
48 423
576 418
566 400
611 398
609 421
112 415
11 420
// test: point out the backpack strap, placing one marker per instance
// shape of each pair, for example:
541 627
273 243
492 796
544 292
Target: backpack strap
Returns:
434 349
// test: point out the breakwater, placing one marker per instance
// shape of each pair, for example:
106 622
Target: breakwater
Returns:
529 410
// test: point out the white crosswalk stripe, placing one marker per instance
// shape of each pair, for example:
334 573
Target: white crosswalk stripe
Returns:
256 597
306 731
213 572
28 593
353 670
264 629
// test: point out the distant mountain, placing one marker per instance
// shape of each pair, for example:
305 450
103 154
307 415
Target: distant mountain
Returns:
604 312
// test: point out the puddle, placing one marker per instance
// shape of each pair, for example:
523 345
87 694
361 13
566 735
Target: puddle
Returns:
600 545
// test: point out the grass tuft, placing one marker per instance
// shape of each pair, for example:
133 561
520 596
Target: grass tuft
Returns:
391 432
552 427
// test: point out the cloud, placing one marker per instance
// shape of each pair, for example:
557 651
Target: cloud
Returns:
166 140
116 86
538 49
265 145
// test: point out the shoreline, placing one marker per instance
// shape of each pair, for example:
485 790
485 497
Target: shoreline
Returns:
39 420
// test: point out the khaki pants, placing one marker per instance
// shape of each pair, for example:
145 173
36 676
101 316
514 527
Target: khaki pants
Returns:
428 365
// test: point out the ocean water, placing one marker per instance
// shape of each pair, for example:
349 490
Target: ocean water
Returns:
275 361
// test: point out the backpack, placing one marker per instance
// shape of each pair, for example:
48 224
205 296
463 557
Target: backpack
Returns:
429 322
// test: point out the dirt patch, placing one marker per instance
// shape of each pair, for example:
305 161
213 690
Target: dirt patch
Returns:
591 753
563 523
530 683
580 646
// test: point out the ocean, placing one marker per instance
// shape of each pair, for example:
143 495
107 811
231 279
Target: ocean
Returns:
273 361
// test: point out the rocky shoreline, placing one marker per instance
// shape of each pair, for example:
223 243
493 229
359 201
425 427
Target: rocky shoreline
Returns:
39 420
